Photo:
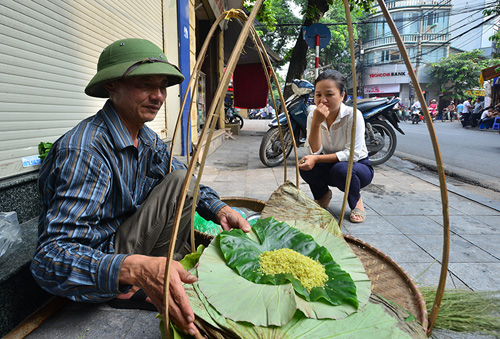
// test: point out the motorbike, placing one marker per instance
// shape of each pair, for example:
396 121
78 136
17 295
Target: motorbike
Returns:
270 151
380 137
416 116
232 117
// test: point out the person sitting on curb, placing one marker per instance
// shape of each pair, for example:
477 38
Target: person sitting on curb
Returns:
109 200
488 116
329 125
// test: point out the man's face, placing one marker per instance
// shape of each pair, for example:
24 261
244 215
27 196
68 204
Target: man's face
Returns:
138 99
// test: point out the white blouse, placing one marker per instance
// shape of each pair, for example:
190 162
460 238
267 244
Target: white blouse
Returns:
337 139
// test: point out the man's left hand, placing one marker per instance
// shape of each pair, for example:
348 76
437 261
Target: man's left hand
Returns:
229 218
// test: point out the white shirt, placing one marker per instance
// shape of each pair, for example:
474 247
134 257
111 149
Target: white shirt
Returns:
467 105
337 139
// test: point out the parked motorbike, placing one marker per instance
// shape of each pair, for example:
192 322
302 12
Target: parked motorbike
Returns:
380 137
271 152
232 117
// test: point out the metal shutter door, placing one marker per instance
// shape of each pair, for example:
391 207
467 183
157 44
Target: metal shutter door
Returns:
48 53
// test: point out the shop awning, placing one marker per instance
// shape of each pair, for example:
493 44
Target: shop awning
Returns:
489 73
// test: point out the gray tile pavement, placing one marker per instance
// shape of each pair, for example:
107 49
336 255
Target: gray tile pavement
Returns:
404 221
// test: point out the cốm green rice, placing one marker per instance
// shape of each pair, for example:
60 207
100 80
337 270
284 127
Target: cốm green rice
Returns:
309 272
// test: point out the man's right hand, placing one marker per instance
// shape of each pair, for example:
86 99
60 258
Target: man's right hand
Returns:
148 273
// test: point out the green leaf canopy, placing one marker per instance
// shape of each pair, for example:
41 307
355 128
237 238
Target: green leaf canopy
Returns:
242 254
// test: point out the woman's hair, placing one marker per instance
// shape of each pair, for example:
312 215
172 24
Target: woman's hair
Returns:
334 76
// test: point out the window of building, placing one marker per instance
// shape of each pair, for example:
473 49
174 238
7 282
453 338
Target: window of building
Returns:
430 54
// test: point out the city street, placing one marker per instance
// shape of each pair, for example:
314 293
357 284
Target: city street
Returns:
471 154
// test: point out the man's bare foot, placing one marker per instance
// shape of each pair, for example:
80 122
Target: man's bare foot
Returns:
324 201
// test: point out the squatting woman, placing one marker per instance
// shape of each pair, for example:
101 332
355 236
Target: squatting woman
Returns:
329 128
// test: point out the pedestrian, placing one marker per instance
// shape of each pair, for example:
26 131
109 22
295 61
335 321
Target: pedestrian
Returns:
329 126
467 106
433 109
450 110
109 200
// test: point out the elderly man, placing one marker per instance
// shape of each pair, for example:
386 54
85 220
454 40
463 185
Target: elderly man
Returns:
109 200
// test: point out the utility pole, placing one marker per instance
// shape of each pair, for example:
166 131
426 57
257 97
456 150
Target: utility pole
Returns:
419 52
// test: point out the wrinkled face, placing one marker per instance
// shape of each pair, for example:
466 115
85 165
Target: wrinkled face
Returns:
327 92
138 99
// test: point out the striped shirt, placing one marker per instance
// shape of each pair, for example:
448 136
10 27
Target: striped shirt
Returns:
92 180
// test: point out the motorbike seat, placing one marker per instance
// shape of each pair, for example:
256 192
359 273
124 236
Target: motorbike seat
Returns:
367 104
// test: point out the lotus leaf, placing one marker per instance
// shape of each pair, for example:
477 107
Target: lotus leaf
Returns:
242 254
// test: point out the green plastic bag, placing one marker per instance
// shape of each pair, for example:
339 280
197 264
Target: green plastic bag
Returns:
206 226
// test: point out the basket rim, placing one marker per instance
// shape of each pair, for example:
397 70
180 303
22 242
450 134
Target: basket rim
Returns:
423 316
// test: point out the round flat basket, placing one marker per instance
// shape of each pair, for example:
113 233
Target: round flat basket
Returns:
389 279
253 204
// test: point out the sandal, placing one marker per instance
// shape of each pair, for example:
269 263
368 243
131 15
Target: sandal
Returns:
356 212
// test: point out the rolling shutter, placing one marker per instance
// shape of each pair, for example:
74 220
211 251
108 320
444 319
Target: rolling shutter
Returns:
48 54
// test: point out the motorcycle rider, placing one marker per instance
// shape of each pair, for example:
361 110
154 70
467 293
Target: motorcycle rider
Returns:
329 127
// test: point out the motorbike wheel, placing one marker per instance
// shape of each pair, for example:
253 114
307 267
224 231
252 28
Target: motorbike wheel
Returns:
271 152
384 145
238 120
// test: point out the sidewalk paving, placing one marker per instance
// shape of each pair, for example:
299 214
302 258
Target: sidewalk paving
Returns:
404 220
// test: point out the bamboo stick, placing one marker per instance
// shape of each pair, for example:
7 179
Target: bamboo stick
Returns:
354 112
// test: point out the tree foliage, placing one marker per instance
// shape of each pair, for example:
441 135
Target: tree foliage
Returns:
460 72
288 42
496 36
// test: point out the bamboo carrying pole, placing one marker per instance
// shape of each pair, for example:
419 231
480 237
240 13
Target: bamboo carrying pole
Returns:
440 169
220 90
354 110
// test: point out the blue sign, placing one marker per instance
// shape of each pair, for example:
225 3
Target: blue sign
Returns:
309 34
32 160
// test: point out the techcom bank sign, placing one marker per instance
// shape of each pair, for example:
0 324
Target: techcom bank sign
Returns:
387 74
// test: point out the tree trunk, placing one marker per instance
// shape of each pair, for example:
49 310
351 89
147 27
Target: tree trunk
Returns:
298 62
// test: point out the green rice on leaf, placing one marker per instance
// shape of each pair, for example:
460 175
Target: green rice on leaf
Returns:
242 254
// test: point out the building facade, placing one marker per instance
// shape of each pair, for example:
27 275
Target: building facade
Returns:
424 28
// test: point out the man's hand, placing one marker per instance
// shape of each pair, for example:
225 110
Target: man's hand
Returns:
148 273
229 218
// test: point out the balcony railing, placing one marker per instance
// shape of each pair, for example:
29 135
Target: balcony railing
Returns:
407 39
413 3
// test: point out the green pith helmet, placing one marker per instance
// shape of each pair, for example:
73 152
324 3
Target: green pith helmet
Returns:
131 57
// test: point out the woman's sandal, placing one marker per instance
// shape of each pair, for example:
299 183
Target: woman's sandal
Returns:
356 212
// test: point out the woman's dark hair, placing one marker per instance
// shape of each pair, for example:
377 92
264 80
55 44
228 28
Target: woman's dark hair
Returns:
334 76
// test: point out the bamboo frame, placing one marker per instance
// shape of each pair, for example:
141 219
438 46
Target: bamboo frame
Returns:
182 198
206 135
440 169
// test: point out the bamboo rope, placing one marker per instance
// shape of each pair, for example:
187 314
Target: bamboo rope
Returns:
220 90
354 112
194 77
258 42
440 169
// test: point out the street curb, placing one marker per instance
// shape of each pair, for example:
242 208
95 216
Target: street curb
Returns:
463 175
469 177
